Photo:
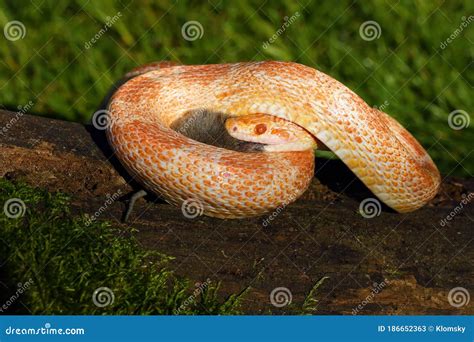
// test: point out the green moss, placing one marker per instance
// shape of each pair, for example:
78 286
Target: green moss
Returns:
64 259
311 301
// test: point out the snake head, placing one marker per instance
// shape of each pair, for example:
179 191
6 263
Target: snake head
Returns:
276 134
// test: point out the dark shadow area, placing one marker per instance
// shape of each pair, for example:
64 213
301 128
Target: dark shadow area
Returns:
334 174
9 301
100 139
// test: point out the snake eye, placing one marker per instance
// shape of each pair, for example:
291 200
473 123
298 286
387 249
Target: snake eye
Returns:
260 129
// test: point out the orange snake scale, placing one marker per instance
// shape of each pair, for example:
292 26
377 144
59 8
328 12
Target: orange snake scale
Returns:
231 184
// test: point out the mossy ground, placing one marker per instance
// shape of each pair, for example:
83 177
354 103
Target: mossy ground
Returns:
63 259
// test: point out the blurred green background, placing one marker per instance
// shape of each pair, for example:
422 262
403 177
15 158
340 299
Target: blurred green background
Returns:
406 70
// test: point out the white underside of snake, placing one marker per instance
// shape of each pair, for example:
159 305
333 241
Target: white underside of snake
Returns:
231 184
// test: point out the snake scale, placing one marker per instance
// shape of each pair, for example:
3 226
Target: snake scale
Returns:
234 184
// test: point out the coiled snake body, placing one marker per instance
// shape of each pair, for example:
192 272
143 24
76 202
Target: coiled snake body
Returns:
231 184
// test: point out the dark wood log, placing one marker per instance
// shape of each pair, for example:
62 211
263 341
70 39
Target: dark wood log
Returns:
389 264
